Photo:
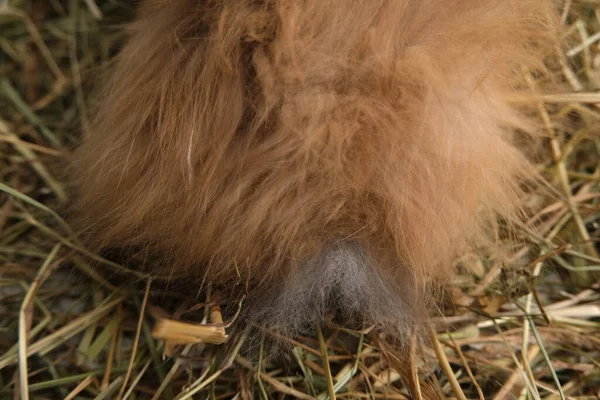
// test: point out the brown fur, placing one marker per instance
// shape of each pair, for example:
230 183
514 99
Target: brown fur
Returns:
268 138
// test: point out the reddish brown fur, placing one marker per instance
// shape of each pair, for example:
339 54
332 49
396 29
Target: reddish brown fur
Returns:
247 136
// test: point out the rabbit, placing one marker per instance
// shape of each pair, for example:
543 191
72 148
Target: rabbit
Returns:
336 156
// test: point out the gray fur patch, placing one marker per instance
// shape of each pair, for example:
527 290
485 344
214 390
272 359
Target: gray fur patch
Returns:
343 279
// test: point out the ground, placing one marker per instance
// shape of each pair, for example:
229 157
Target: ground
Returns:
523 326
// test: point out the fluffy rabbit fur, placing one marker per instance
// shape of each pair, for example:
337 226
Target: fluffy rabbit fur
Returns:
334 154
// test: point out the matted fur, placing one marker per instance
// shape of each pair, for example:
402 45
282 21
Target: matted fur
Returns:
323 150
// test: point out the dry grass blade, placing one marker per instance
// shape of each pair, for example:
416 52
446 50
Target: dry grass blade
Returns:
326 366
137 339
178 333
15 193
107 393
585 98
136 380
443 360
94 9
57 338
170 375
547 359
26 314
25 149
280 387
467 368
80 388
